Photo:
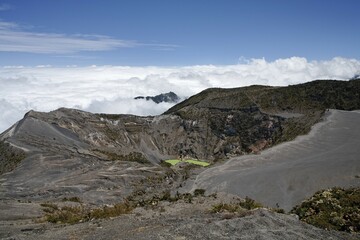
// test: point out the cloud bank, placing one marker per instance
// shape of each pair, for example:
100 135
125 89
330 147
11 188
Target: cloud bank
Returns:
111 89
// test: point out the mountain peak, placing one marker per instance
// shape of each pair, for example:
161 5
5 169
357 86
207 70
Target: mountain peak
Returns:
169 97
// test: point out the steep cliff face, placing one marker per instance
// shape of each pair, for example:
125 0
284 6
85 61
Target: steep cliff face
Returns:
211 134
252 118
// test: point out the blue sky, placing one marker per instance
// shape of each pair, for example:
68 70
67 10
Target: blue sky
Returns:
97 55
175 33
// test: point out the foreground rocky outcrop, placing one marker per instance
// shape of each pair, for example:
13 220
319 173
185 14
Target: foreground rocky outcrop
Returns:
178 220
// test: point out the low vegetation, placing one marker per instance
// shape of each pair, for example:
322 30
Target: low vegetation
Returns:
112 211
66 214
173 162
199 192
332 209
197 162
80 213
239 206
10 157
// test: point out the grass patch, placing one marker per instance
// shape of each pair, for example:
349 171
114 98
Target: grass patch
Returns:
173 162
197 162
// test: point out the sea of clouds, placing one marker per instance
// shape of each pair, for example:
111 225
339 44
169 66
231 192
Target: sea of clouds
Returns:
111 89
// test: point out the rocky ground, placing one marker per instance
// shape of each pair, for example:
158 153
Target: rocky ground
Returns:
179 220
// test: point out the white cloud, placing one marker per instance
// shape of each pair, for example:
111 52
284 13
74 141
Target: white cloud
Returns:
8 25
13 38
19 41
111 89
9 114
128 106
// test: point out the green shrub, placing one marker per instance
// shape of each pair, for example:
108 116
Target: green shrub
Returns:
249 204
221 207
67 214
332 209
278 210
199 192
116 210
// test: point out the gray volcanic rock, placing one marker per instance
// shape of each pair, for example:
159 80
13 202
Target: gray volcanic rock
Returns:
169 97
69 153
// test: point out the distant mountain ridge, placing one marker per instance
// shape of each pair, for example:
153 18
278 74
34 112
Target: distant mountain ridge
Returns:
169 97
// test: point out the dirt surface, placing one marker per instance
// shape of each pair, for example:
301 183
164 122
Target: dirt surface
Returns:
286 174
